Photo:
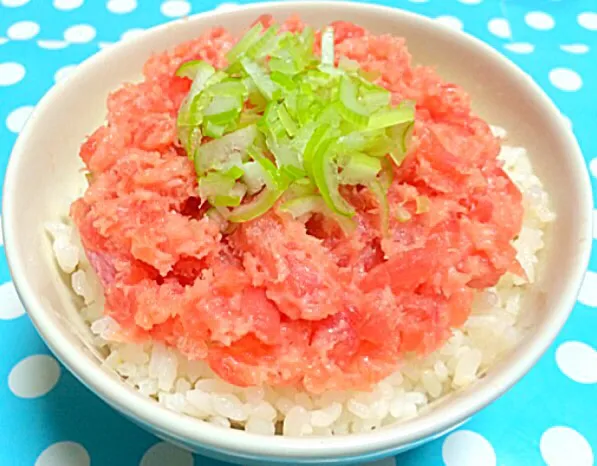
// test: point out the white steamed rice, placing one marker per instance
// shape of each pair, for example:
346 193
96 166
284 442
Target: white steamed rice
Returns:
190 387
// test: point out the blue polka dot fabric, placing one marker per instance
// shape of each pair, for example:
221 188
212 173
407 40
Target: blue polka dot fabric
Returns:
47 418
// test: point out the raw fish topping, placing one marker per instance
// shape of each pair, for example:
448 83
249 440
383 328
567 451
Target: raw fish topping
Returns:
316 289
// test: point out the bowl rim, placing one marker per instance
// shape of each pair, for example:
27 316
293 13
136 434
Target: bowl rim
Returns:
241 443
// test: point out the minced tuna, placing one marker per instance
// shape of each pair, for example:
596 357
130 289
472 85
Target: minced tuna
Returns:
283 301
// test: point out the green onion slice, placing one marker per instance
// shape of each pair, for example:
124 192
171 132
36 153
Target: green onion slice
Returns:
287 124
241 47
226 152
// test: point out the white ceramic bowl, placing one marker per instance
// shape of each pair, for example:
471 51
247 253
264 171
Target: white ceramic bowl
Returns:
44 168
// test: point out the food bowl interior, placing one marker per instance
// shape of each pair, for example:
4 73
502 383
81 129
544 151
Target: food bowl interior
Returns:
45 176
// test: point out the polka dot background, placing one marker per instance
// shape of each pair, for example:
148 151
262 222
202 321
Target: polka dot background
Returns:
47 418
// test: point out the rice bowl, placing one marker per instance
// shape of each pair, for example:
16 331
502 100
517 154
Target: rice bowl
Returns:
200 436
161 354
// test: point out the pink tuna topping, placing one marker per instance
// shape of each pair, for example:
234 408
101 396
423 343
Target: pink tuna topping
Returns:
281 301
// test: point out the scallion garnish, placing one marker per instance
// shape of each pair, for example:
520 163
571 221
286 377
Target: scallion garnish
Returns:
286 124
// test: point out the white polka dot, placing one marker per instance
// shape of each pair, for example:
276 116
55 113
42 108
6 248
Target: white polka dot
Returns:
227 6
79 34
450 21
593 167
13 3
52 44
588 20
64 72
539 20
64 454
1 243
594 224
563 446
11 73
165 453
499 27
588 289
520 47
34 376
10 307
131 33
575 48
467 448
470 2
577 361
66 5
175 8
565 79
121 6
15 121
23 30
3 40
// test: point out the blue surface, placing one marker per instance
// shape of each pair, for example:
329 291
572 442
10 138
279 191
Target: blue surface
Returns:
513 426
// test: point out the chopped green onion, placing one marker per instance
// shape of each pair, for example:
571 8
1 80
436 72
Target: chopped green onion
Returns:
391 117
312 203
223 104
287 124
308 39
260 77
235 172
407 136
352 110
384 207
186 115
273 179
283 80
327 47
287 121
259 205
402 136
284 66
315 141
230 87
214 130
215 184
330 115
292 172
241 47
375 98
223 110
226 152
247 118
325 174
300 187
360 169
190 138
264 45
386 176
284 154
331 70
302 205
189 69
232 199
253 176
423 204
